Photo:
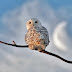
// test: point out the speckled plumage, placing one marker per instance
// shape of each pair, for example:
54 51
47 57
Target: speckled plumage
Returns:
37 37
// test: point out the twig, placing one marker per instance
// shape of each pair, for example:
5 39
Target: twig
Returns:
14 44
46 52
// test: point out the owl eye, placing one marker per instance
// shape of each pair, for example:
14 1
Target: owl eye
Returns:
36 22
29 22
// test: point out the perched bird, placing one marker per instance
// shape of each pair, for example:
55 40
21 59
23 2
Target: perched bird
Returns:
37 35
37 38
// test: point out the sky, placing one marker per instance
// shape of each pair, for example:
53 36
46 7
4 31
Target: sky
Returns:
55 15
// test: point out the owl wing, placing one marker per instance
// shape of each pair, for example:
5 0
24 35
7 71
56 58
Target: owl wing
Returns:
43 35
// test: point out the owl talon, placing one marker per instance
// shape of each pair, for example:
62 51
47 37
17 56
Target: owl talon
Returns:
31 46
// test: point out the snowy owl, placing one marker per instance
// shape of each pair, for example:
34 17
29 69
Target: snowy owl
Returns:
37 35
37 38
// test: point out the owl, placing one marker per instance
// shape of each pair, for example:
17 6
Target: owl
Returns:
37 38
37 35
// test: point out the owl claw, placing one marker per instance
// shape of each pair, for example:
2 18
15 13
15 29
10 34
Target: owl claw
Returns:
31 46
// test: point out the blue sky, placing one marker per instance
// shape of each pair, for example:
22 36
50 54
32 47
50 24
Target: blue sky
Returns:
6 5
60 3
55 15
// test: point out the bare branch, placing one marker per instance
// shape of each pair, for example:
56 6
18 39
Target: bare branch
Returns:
46 52
14 44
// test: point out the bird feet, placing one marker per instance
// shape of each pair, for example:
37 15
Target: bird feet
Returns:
32 47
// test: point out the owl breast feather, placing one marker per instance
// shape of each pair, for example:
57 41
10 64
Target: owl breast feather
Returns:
35 34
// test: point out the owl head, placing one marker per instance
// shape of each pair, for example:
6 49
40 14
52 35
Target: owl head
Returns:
33 22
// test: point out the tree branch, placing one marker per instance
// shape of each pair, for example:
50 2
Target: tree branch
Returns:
52 54
14 44
46 52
